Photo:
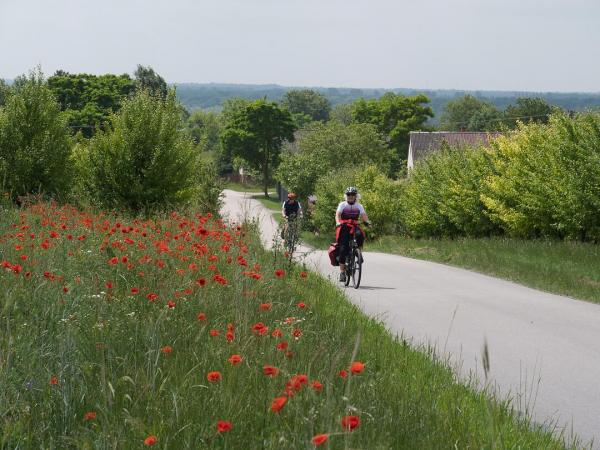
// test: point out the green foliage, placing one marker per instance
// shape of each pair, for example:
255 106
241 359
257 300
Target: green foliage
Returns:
34 141
329 147
470 114
148 80
342 113
89 100
528 110
4 92
546 179
205 129
144 161
306 102
442 196
379 195
255 132
394 116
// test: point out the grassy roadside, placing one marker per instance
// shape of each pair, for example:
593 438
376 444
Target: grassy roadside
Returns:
119 331
245 187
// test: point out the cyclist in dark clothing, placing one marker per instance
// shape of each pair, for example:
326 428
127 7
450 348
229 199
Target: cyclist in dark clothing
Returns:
290 210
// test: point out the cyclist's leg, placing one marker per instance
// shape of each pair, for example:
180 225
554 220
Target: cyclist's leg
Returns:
343 248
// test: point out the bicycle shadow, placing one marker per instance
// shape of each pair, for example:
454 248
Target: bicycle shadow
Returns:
376 288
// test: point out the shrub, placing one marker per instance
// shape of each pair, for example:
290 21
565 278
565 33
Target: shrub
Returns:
546 180
331 147
379 195
145 161
34 141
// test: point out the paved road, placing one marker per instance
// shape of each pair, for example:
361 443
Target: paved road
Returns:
544 349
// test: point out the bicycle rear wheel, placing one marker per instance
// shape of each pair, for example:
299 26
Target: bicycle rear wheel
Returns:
349 266
356 267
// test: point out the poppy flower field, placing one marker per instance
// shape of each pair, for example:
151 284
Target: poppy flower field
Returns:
181 331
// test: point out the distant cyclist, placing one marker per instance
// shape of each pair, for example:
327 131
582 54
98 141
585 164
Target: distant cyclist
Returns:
290 210
346 219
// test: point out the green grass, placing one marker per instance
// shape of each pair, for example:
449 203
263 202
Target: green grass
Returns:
105 345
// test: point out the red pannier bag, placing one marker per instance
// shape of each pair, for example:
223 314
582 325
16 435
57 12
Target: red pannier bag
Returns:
332 252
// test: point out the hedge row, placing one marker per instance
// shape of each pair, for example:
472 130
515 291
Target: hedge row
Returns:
541 181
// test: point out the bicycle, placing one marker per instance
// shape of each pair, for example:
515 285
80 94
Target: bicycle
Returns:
354 261
291 235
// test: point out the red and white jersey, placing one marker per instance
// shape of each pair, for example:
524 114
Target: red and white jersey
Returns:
349 211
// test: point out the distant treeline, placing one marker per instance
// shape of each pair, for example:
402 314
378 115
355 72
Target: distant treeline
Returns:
211 96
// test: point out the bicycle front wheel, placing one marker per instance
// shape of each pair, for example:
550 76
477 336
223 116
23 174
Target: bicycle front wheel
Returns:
356 267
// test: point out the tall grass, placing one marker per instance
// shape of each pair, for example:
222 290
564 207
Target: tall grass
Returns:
106 343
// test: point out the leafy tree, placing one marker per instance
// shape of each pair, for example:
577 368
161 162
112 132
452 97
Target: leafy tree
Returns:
394 116
89 100
34 140
306 103
205 129
468 113
144 160
256 132
147 79
528 110
4 92
328 147
342 113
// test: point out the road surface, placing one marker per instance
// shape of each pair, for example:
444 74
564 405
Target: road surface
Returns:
544 349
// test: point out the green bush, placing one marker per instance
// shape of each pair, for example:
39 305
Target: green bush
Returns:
546 180
442 196
34 141
331 147
145 161
379 195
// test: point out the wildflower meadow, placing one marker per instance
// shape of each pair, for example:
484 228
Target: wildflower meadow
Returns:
180 331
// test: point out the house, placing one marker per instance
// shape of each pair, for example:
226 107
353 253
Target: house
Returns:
423 143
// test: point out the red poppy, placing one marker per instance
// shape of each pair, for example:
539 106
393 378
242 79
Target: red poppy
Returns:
151 296
282 345
213 377
349 423
357 367
280 273
223 426
278 404
270 370
343 373
265 306
166 349
276 332
201 316
303 274
135 290
316 385
320 439
260 329
214 333
53 381
301 305
171 304
150 440
297 333
235 360
90 415
112 261
200 281
229 336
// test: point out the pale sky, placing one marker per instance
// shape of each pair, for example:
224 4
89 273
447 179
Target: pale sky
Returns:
534 45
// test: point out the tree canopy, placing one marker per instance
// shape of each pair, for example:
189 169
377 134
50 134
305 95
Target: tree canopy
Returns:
255 133
468 113
147 79
88 100
307 103
528 110
394 116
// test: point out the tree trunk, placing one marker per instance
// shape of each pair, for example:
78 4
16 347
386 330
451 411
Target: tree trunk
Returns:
266 174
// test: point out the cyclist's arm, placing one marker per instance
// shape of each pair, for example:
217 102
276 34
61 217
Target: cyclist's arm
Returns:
283 210
363 215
